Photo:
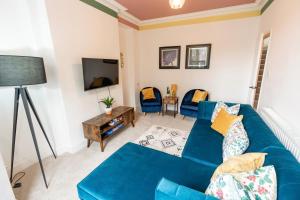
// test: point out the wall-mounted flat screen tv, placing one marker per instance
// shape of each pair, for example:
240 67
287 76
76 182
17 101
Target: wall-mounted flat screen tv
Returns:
99 73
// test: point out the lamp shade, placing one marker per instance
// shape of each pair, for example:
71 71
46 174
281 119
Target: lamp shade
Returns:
21 70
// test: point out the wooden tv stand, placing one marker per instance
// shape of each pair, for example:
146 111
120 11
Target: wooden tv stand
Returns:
98 128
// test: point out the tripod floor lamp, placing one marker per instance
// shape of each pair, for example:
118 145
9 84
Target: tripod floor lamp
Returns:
19 71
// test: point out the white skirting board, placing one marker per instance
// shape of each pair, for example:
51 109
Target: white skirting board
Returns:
282 130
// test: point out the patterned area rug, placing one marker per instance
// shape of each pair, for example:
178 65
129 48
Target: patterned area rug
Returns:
168 140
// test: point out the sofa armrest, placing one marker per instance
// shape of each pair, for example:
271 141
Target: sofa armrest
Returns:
168 190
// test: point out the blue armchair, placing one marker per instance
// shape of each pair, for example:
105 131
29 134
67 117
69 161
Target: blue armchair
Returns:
187 107
151 105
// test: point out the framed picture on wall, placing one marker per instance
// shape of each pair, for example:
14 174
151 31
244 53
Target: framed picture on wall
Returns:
169 57
197 56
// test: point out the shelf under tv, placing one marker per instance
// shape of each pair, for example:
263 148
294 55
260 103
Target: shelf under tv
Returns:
98 128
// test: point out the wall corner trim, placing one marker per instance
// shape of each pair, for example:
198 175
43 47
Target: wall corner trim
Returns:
101 7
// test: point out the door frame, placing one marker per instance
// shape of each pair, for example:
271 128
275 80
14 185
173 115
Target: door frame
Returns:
256 69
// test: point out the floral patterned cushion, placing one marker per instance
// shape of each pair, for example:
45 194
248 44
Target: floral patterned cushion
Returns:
235 141
260 184
226 187
233 110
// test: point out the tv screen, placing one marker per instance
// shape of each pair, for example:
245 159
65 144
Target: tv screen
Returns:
99 73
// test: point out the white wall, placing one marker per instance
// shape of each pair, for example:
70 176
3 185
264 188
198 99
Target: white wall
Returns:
128 42
232 58
79 30
24 31
62 32
281 83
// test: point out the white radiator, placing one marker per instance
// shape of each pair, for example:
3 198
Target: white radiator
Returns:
282 130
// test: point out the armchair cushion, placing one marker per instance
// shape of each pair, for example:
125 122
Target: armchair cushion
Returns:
199 96
148 93
190 106
168 190
151 102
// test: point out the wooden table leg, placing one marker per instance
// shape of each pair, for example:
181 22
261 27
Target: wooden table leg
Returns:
88 143
174 110
101 144
132 123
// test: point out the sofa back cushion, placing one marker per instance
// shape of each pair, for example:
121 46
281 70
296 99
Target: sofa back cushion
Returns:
206 109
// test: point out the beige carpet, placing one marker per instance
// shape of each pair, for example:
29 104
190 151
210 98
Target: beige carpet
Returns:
65 172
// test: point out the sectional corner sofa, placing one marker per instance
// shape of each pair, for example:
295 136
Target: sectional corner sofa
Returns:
135 172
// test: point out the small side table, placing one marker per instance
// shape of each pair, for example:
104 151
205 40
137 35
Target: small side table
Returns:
169 100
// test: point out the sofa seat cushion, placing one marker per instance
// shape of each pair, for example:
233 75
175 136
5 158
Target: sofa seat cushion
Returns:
204 145
190 106
151 102
133 172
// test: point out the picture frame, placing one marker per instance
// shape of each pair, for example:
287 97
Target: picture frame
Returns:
169 57
197 56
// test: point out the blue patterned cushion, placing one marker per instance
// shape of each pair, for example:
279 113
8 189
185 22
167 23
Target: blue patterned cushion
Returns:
236 141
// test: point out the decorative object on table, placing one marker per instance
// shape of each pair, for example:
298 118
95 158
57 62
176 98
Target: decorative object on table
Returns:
170 100
19 71
168 91
197 56
176 4
188 107
122 59
108 101
115 121
151 105
169 57
103 126
173 90
168 140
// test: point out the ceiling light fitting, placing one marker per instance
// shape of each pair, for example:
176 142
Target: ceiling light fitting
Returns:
176 4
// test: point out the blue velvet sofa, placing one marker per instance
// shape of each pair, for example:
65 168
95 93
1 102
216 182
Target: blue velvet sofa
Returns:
151 105
187 107
135 172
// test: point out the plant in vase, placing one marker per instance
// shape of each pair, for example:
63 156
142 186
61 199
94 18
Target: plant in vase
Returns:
108 101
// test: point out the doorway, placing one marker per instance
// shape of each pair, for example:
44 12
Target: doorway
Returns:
256 89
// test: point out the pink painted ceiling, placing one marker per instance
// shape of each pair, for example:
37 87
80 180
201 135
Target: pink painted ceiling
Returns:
150 9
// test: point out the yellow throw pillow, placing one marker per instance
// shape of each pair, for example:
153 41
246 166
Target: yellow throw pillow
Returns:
224 120
242 163
148 93
199 96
